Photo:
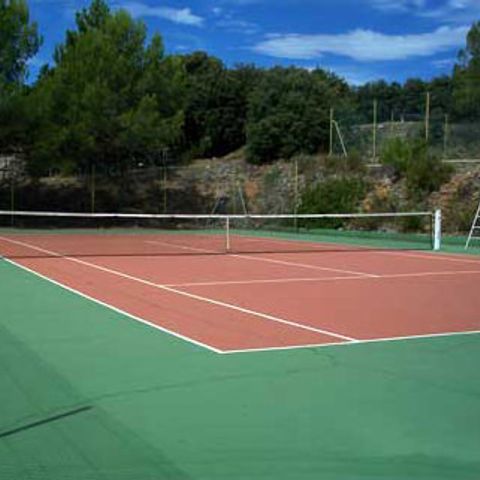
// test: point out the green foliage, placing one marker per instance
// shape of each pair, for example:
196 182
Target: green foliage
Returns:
334 195
352 164
424 173
19 41
397 153
288 113
110 100
467 77
216 110
392 99
113 99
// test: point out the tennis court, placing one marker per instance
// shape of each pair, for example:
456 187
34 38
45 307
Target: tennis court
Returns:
291 356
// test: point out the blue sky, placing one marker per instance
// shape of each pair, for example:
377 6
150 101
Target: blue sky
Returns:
361 40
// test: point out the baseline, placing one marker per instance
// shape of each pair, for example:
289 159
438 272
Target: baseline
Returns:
359 342
113 308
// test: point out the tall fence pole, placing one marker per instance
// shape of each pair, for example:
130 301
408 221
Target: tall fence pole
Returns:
295 198
427 118
445 137
374 133
165 179
330 150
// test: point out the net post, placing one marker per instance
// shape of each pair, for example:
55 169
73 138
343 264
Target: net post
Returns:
227 234
437 230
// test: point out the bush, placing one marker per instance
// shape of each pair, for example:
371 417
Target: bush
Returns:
334 195
397 153
352 164
424 173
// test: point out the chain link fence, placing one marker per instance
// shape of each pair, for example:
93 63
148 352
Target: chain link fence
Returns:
367 134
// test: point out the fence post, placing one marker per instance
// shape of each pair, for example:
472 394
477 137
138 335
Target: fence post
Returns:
165 178
445 137
295 198
427 118
330 150
375 106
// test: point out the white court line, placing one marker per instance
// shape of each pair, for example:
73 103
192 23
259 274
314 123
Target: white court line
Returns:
268 260
432 256
305 265
325 279
260 281
115 309
366 248
228 352
185 294
183 247
349 344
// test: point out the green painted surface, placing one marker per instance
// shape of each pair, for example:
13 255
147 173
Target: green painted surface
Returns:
164 409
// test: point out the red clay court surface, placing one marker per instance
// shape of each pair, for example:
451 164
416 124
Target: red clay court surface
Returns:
249 302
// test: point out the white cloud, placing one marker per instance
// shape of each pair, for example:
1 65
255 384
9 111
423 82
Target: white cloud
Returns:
176 15
444 63
449 11
362 45
454 11
237 26
350 73
397 5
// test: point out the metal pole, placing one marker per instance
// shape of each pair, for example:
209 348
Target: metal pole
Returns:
445 137
330 151
242 199
295 199
427 118
339 133
375 105
233 191
473 228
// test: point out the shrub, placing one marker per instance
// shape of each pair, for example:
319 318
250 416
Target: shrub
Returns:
352 164
424 173
334 195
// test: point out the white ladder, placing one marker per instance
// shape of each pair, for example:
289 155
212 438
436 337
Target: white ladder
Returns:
475 230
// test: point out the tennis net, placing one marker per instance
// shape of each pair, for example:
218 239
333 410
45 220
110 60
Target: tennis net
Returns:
46 234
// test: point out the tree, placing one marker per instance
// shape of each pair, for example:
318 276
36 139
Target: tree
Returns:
19 41
216 113
110 100
424 172
288 113
467 77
